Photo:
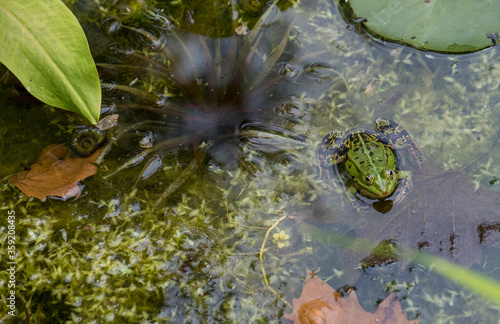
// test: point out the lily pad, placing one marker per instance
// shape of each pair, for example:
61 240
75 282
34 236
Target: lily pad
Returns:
449 26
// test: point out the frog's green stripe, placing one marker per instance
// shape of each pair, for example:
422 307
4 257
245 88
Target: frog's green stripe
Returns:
367 153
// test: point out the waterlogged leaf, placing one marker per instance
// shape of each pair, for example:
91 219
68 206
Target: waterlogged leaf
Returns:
56 173
452 26
320 303
44 46
444 215
108 122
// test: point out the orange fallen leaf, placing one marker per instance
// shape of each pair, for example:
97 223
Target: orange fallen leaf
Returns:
241 30
56 173
396 51
321 304
107 122
369 88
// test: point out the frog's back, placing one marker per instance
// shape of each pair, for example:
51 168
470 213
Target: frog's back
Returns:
367 151
359 139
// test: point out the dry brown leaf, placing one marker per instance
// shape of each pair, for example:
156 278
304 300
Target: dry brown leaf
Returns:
56 173
369 88
396 51
321 304
241 30
107 122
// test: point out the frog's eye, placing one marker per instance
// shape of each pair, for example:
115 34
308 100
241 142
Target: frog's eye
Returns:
390 174
369 179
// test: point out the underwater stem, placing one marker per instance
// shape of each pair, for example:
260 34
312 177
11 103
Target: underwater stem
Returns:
186 173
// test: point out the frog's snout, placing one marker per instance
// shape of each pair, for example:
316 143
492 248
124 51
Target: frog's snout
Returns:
384 188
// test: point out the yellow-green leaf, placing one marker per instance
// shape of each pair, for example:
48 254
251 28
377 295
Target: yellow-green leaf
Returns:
43 44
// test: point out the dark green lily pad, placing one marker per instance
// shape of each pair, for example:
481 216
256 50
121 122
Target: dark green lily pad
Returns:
449 26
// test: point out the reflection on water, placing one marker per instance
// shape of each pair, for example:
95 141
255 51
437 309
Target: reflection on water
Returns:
211 87
234 124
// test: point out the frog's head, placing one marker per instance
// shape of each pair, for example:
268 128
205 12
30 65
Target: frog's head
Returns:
375 176
378 185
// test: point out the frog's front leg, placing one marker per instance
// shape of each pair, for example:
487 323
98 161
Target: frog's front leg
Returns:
397 137
332 148
330 153
357 200
405 186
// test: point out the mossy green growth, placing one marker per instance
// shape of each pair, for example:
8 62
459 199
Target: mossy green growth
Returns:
129 265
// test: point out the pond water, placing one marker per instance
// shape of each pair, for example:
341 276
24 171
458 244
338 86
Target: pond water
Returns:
212 223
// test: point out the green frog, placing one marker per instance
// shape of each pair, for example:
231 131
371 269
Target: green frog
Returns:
367 161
